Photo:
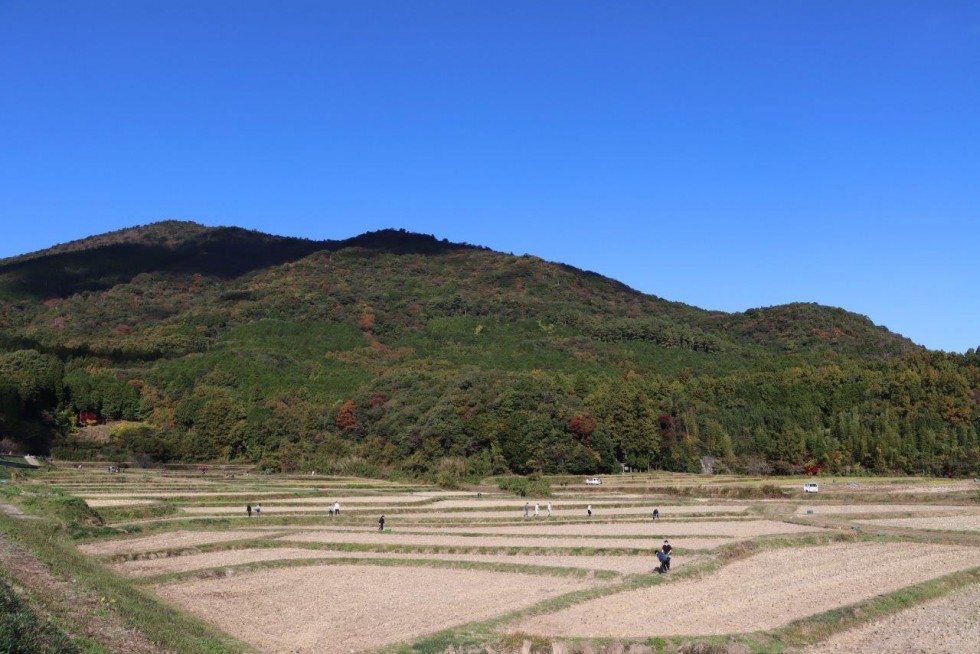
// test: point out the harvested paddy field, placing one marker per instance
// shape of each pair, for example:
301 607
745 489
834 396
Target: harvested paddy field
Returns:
577 512
611 563
847 509
651 529
945 523
168 540
762 592
518 505
440 540
104 504
190 495
304 504
949 625
341 608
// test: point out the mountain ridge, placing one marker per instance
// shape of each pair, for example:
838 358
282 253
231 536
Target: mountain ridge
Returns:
395 352
178 236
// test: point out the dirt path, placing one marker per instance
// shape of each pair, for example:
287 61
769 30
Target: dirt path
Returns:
762 592
949 625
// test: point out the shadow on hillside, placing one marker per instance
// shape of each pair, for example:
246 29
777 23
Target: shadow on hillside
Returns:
12 343
224 253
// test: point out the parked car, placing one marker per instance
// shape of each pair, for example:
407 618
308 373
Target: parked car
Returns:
811 487
593 481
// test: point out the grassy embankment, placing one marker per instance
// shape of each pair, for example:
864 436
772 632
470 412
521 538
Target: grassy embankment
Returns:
46 534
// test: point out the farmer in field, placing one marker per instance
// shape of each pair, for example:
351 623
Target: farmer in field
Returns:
666 550
248 510
381 523
527 509
588 509
537 509
656 514
258 510
549 509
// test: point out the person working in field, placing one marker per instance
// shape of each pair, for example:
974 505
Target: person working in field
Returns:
381 523
663 555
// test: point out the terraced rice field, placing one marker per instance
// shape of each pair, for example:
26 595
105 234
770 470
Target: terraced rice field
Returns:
299 580
773 588
946 523
345 608
949 625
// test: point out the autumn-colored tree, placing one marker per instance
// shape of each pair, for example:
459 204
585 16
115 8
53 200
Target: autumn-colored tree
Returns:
347 416
582 424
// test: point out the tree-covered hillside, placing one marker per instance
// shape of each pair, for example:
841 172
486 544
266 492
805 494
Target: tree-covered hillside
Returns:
398 352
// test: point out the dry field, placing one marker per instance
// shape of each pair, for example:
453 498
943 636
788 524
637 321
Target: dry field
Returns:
226 558
947 523
168 540
949 625
298 580
854 509
763 592
559 511
460 541
341 608
107 503
651 529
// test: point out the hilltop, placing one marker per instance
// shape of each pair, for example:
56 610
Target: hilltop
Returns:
395 351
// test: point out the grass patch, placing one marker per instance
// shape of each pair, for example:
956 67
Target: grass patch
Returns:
48 539
23 631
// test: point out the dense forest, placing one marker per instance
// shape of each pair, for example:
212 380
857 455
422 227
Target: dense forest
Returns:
397 353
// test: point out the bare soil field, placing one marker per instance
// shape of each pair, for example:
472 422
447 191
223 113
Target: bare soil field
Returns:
947 523
302 504
845 509
101 504
949 625
764 591
613 563
517 504
651 529
167 540
352 608
190 495
440 540
578 512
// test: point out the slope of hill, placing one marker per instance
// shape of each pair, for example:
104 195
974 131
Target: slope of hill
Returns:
397 351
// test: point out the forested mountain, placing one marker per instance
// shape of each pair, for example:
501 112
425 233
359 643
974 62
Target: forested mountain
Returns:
395 352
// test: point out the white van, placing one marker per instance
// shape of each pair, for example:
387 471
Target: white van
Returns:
594 481
811 487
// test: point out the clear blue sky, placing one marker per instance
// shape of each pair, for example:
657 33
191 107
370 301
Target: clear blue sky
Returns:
725 154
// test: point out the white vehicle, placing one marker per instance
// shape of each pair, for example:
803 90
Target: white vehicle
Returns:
811 487
593 481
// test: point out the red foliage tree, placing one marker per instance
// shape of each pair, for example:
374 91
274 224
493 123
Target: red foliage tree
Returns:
582 424
347 416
